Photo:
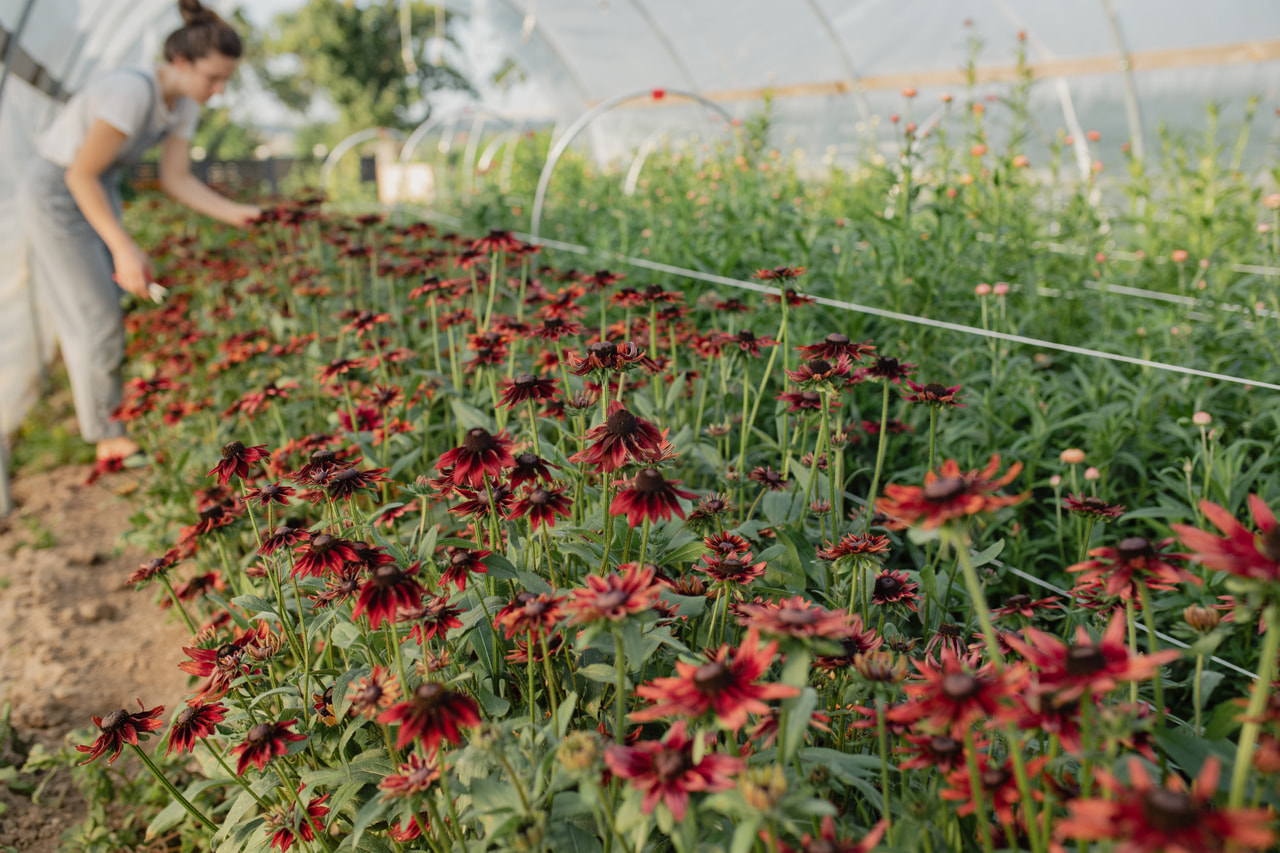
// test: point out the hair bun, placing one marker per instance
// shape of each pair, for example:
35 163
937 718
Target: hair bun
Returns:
194 12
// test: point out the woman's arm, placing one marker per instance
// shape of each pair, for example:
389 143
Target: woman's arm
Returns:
176 180
84 179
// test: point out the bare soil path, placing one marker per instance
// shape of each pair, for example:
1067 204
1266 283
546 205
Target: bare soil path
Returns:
74 639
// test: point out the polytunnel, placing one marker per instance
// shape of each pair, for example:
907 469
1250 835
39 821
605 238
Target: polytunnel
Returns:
834 71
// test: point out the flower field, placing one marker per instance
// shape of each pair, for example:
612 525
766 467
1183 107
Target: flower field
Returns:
488 545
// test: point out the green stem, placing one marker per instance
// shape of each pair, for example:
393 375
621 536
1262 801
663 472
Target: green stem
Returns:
1149 617
883 444
1257 704
620 698
174 792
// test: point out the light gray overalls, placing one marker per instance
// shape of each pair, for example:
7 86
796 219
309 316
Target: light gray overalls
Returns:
71 273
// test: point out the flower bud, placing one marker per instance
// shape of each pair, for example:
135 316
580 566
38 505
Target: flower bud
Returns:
1202 419
1071 456
579 752
1201 618
763 787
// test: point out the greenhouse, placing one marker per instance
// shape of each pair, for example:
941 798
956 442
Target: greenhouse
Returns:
637 425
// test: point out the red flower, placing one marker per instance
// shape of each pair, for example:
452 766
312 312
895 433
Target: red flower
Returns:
769 478
806 401
342 483
735 568
886 368
797 618
1145 818
854 545
1240 552
1135 561
747 342
272 493
412 778
323 554
194 722
1067 671
526 387
941 751
374 693
894 588
1091 507
432 713
951 698
999 787
264 742
388 590
605 356
481 454
725 685
1022 605
778 273
236 459
949 494
530 468
614 597
820 372
835 345
289 827
649 496
621 439
934 394
529 614
433 618
121 727
665 771
463 562
542 506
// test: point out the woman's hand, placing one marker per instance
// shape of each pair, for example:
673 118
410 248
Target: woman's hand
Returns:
246 215
133 269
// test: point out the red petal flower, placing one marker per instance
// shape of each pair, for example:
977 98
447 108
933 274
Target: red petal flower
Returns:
665 771
121 727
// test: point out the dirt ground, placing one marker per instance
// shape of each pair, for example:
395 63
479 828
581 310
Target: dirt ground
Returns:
74 639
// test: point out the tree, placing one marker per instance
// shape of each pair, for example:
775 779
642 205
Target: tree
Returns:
354 55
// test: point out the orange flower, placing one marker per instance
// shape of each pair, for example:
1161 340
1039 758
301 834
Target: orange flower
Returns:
950 494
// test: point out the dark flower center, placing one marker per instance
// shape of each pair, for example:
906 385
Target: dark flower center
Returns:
945 746
460 559
711 678
535 608
321 542
821 845
621 422
186 716
1169 811
212 513
713 505
747 336
837 338
114 720
260 732
819 366
427 695
227 651
526 460
959 686
1085 660
603 350
386 575
791 616
323 457
346 475
478 441
948 629
887 366
933 389
539 497
887 586
612 598
670 764
1134 547
1017 601
233 450
526 380
994 777
1270 546
649 481
944 489
371 694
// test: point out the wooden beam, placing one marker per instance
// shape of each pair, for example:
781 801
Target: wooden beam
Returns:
1242 53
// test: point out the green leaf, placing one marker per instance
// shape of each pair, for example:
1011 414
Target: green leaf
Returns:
369 812
798 713
469 417
599 672
986 555
494 706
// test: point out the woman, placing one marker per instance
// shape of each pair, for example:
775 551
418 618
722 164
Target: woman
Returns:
71 206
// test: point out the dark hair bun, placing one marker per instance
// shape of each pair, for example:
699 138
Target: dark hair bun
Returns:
194 12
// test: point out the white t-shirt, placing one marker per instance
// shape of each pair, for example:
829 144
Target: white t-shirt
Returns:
120 98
